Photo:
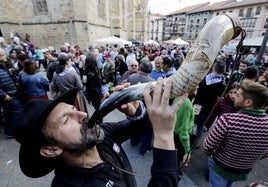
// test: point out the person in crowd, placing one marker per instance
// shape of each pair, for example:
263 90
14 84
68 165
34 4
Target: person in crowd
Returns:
54 136
184 52
120 65
228 60
81 60
238 76
173 52
142 76
7 48
101 57
13 55
251 58
65 77
251 73
10 65
93 85
74 62
183 128
123 51
164 52
32 83
130 57
224 104
120 68
40 57
178 60
31 51
113 52
263 79
134 68
157 72
238 140
210 88
167 66
65 48
108 70
51 64
19 65
139 52
8 97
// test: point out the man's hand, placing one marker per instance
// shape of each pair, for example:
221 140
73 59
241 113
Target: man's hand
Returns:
186 159
162 115
7 98
130 108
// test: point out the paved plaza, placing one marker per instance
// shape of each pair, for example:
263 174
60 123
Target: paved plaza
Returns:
193 176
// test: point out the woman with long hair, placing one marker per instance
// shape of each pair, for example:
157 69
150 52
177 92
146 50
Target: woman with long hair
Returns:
224 104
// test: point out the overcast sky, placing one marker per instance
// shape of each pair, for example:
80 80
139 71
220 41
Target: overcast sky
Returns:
168 6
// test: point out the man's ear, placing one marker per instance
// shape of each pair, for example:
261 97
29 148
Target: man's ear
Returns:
248 103
50 151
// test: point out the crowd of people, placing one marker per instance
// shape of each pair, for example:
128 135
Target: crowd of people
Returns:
232 95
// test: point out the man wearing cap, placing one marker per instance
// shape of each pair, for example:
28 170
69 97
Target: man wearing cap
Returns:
55 135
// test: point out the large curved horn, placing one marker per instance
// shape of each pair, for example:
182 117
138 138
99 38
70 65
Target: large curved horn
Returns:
217 32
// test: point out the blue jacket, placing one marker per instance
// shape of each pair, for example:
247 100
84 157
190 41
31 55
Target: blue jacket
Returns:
33 85
7 86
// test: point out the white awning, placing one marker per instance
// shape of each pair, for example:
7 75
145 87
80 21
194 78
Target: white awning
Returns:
257 41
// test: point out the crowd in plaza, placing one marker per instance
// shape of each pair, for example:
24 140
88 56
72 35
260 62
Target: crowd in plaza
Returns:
232 101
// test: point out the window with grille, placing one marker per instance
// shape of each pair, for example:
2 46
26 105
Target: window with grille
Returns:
258 10
175 29
197 22
241 12
205 21
40 7
191 23
249 12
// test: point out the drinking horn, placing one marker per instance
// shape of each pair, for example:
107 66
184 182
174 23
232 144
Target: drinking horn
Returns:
217 32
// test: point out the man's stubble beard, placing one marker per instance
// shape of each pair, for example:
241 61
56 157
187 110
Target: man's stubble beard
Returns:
86 142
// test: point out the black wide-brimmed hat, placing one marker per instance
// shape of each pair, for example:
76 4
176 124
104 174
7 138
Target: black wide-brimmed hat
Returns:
28 132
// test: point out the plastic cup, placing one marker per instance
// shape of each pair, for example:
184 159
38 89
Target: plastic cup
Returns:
197 109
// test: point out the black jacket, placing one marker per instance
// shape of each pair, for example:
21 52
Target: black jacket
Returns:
164 171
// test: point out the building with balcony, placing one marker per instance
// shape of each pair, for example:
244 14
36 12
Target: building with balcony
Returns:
197 18
157 27
189 21
252 13
175 23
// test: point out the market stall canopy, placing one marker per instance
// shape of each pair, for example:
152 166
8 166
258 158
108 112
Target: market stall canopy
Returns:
113 40
230 46
180 41
134 41
169 42
151 42
257 41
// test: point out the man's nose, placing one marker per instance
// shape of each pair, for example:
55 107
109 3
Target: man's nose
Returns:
81 116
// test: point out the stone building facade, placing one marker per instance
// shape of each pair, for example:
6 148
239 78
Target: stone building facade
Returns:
189 21
54 22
